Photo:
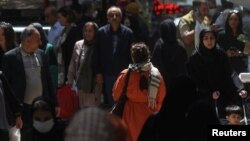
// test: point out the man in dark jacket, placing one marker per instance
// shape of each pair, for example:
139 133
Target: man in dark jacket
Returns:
27 71
112 51
10 109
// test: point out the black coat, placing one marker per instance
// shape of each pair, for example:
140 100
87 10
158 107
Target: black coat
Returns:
213 72
227 41
12 104
68 46
13 69
168 55
170 59
104 61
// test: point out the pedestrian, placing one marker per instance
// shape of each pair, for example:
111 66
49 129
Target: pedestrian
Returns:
111 52
145 90
209 68
45 125
80 71
27 72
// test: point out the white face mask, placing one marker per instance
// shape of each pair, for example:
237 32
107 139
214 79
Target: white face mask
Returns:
43 127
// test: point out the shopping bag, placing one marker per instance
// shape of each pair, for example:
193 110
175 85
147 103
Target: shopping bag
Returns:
14 134
67 102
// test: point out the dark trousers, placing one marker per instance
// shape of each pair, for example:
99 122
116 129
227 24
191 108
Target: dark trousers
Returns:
4 135
26 117
108 87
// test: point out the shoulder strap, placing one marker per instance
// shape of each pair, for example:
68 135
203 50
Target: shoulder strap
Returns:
124 90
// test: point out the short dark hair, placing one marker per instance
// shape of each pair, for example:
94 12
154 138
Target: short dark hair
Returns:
233 109
86 6
28 32
68 13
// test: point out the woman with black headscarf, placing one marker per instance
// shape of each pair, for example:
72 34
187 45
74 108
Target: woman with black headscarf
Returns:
162 125
45 125
233 41
210 70
168 55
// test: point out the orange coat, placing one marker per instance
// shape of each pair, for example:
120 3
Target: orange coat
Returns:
136 109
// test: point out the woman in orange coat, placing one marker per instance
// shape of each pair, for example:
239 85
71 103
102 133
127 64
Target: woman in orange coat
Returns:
145 90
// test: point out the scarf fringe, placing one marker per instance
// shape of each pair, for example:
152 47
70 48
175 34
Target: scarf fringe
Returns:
154 80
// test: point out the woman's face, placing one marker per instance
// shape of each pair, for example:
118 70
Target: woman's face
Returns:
234 21
2 38
209 40
89 32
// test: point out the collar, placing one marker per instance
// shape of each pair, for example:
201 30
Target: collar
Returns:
26 54
56 25
145 66
114 32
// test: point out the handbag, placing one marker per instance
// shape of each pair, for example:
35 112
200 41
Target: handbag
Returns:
118 107
67 101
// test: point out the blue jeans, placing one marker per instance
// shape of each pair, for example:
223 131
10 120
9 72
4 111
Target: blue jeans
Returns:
108 87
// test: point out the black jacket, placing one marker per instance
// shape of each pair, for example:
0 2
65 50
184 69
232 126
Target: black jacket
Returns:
12 104
13 68
105 61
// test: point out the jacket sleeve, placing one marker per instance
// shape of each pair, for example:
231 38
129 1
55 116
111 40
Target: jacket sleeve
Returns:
13 105
72 70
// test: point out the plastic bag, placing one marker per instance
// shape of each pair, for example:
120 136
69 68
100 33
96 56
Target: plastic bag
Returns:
14 134
67 101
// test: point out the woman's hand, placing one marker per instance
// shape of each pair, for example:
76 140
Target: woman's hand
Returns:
19 122
243 94
247 48
216 95
99 78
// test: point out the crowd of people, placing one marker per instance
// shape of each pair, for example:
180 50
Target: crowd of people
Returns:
189 78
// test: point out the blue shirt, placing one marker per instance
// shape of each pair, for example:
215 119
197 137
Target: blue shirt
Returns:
55 33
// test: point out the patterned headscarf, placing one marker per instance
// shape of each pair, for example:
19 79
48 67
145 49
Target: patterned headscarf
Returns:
92 124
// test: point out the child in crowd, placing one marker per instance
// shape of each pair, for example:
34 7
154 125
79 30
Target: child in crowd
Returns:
233 115
45 125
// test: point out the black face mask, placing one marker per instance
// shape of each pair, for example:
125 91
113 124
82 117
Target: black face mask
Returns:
143 83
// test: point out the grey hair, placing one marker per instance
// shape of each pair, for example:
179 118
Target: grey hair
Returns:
28 32
114 7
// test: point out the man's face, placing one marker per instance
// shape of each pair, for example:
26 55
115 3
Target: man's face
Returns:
114 16
204 8
33 42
